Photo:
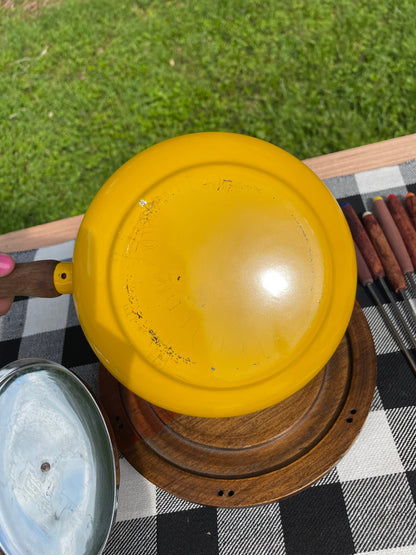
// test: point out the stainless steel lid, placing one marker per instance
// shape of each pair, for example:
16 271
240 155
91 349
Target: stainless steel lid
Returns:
58 475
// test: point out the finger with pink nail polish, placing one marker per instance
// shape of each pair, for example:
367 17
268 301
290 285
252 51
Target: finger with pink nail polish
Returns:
6 267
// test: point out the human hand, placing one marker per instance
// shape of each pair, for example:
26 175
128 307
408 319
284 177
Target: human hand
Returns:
6 267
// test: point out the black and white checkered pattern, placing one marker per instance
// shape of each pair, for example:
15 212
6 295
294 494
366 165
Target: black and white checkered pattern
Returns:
365 505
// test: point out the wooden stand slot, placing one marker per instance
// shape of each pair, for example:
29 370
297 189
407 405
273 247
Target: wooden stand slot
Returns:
259 457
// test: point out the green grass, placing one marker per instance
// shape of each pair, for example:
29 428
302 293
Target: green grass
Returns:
85 85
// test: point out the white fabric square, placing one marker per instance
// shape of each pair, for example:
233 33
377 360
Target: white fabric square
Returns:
373 453
168 503
402 422
377 403
60 252
330 477
374 181
384 342
381 512
45 315
250 530
137 496
342 187
408 550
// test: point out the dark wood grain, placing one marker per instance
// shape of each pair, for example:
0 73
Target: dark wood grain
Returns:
30 279
410 201
404 225
363 241
256 458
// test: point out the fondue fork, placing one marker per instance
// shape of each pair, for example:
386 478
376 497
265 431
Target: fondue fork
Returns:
365 278
390 263
374 264
403 223
395 230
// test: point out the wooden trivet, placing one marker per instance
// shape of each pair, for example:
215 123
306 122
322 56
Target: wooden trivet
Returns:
259 457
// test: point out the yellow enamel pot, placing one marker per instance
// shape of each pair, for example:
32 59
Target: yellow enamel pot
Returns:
213 274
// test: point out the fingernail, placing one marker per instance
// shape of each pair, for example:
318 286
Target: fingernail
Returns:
6 264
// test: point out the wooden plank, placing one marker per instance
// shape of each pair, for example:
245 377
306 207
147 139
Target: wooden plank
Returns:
363 158
41 235
367 157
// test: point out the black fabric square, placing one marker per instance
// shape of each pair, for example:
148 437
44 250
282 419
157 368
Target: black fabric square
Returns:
19 298
363 296
13 322
24 256
395 380
77 350
47 345
411 477
381 290
408 171
9 351
411 187
356 202
193 531
316 521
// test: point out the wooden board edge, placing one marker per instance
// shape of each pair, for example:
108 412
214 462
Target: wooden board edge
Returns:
43 235
364 158
345 162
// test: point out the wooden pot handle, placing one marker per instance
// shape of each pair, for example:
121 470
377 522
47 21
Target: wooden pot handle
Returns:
30 279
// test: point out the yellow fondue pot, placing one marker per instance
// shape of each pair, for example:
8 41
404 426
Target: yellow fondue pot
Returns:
213 274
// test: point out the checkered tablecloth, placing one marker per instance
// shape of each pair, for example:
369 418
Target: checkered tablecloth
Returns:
366 504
